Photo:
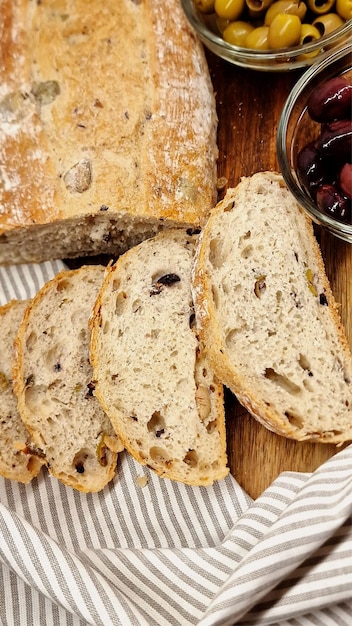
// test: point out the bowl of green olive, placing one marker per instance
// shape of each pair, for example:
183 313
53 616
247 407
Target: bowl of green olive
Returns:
271 35
314 142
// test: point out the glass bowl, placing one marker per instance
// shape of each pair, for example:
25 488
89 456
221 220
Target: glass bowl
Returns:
296 129
265 60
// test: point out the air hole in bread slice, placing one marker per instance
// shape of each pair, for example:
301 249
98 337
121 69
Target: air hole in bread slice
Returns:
53 358
282 381
203 402
156 424
115 285
218 254
80 460
106 327
137 306
247 252
231 337
191 458
64 285
120 302
160 456
31 398
215 296
31 340
211 426
295 420
304 364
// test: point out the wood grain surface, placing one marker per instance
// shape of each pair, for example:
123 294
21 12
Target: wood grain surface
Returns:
249 105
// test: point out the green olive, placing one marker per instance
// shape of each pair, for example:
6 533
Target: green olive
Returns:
284 31
258 6
229 9
236 33
328 23
222 23
344 9
204 6
258 38
320 6
293 7
309 33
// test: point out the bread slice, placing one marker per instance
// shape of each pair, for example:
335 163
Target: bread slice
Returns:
150 373
111 136
53 382
19 460
267 314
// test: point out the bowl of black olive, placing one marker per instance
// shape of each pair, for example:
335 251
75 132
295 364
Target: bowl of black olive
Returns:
314 142
271 35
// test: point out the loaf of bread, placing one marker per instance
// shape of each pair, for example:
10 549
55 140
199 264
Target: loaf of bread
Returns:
53 382
267 314
19 459
107 126
150 372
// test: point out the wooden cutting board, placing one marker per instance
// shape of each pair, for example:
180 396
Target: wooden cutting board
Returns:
249 105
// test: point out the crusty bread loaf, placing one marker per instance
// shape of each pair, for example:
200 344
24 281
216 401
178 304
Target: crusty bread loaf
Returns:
150 373
17 460
267 314
53 382
107 126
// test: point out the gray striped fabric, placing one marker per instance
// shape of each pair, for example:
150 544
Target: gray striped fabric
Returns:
168 554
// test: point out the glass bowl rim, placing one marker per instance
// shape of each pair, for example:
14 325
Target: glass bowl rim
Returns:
284 54
329 60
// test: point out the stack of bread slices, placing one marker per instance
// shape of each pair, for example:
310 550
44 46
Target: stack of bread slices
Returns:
134 356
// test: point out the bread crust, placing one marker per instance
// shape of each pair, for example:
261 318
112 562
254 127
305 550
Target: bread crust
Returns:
16 460
246 385
107 115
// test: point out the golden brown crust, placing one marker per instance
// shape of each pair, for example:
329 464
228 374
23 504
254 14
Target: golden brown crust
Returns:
103 104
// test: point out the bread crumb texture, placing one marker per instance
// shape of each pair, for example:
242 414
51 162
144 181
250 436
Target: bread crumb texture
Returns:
54 382
268 316
151 374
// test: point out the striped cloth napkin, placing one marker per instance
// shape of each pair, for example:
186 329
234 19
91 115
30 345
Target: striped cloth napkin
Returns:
171 555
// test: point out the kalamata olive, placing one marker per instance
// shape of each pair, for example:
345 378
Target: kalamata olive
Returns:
334 203
331 100
345 179
336 139
284 31
328 23
310 169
